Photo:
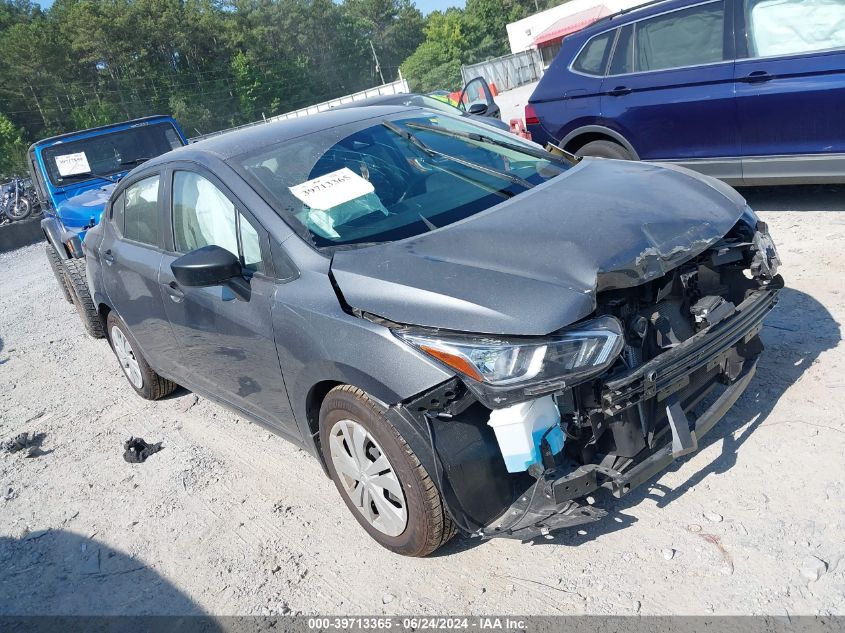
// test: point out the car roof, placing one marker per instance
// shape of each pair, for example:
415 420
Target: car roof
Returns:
101 128
237 142
377 100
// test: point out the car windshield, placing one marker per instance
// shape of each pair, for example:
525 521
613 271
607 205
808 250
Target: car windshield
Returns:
383 180
109 153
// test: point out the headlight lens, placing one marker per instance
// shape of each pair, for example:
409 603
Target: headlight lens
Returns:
572 355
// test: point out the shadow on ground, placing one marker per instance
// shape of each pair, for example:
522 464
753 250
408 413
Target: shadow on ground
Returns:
59 573
795 334
796 198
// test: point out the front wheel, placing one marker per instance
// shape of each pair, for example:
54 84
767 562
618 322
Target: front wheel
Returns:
19 210
380 478
77 284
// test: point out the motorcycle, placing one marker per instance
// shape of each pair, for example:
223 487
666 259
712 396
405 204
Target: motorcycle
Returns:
17 200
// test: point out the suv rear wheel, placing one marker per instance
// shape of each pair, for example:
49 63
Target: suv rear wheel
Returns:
143 378
380 478
604 149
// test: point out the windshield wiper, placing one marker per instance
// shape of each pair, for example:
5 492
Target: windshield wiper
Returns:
135 161
88 175
572 159
390 125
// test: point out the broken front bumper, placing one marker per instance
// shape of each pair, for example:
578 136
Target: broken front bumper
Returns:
552 502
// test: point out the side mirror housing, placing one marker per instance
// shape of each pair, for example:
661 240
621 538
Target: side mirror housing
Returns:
211 266
478 109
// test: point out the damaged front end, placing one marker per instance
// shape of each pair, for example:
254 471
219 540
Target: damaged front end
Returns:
685 347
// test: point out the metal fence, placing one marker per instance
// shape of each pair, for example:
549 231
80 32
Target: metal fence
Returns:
392 88
395 87
508 71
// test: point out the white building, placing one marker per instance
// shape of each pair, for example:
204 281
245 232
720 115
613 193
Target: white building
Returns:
545 30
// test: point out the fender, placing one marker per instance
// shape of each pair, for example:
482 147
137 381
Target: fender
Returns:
605 131
67 244
53 231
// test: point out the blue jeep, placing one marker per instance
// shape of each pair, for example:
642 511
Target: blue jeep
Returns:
74 174
749 91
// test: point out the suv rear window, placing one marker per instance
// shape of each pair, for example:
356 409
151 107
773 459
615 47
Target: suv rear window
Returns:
688 37
593 57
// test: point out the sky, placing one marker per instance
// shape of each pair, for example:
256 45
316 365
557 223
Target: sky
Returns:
426 6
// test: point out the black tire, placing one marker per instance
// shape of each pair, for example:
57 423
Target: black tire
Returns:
428 523
56 264
604 149
77 284
19 210
153 386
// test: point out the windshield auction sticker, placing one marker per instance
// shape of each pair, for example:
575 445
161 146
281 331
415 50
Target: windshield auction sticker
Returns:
71 164
330 190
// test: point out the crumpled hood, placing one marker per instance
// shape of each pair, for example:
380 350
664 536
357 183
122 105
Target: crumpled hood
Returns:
77 210
534 263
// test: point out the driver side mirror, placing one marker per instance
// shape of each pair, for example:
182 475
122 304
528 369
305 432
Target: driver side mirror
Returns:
478 109
211 266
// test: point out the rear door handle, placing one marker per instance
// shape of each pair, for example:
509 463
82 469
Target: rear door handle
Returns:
175 292
108 257
620 91
758 76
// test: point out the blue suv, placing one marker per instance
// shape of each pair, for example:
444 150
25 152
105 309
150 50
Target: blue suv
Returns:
749 91
74 175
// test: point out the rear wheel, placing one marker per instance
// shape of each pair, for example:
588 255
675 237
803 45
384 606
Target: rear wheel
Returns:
604 149
56 264
77 284
380 478
143 378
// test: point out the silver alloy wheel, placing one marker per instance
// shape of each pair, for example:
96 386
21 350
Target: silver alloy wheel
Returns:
368 478
126 356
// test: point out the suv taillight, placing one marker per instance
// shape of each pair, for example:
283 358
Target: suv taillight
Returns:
531 115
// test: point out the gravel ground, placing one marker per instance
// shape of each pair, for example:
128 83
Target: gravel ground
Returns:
229 519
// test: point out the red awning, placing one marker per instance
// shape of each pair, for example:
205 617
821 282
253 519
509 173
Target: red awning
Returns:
570 24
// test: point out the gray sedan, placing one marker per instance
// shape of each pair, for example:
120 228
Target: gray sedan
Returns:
470 333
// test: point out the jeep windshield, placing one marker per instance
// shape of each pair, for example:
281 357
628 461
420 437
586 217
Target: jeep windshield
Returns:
107 154
382 180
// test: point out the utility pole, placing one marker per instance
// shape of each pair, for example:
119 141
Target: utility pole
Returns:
375 57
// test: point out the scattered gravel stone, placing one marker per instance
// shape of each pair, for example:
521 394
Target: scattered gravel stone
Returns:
714 517
813 568
188 402
668 553
388 598
636 606
695 528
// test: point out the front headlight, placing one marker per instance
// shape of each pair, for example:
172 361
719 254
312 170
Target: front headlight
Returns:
565 358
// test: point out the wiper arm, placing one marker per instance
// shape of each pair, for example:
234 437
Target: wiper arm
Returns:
568 157
135 161
390 125
88 175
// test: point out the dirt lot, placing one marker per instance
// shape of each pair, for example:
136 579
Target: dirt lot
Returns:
229 519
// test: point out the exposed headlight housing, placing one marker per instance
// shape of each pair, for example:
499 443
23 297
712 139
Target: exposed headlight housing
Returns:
503 370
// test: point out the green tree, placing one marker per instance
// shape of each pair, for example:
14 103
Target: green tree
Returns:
12 149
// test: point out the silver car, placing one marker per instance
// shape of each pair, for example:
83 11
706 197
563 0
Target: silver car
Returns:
469 332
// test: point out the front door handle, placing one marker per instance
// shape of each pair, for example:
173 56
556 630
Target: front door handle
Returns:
620 91
108 257
175 292
758 76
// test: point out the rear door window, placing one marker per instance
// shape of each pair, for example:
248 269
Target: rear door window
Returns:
623 55
790 27
592 59
140 211
688 37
